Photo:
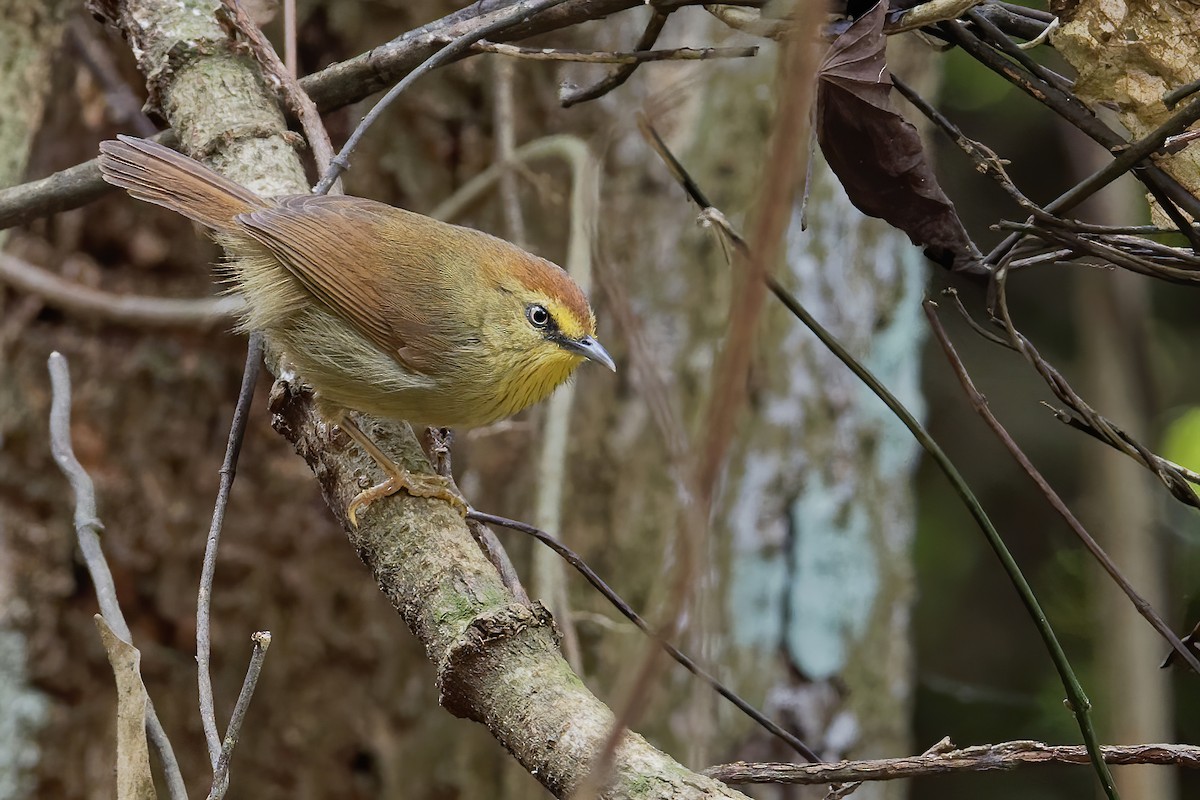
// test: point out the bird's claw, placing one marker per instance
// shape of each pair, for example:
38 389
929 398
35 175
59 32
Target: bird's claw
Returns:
432 486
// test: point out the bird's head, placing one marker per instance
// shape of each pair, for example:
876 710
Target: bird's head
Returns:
547 329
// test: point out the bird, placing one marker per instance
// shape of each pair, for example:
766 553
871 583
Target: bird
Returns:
381 310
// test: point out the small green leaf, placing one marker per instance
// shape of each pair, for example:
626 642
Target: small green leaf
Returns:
1181 441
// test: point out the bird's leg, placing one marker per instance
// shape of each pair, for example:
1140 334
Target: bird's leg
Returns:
398 478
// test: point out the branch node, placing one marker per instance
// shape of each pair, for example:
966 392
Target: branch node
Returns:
475 651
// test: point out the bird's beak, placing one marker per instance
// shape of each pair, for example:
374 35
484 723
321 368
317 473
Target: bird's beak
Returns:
590 349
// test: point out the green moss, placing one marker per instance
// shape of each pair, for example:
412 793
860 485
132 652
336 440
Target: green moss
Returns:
642 786
458 610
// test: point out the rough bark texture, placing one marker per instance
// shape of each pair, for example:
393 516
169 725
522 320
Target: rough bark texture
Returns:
497 661
1128 55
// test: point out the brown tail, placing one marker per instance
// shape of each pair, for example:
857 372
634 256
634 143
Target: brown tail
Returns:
159 175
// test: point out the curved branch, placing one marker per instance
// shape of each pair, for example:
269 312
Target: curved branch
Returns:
127 309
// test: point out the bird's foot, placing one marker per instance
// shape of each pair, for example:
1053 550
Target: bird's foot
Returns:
432 486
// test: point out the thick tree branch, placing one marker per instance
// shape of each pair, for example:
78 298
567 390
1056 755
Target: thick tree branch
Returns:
497 660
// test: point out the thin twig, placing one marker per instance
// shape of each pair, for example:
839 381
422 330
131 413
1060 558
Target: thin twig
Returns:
233 448
303 107
1080 413
990 164
262 640
980 404
508 17
615 57
454 206
658 19
627 611
437 447
126 309
1073 111
749 20
1017 52
980 758
87 530
1173 97
1018 24
929 13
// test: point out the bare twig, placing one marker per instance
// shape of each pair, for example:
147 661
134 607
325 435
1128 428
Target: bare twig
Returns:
1069 108
627 611
509 17
980 404
126 309
1079 704
262 640
233 448
454 206
437 448
87 530
658 19
615 57
981 758
1079 413
303 107
748 20
930 13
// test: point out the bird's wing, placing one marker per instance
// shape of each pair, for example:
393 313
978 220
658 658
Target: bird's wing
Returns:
334 247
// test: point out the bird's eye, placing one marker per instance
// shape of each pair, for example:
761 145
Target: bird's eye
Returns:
538 316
